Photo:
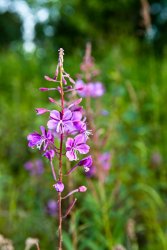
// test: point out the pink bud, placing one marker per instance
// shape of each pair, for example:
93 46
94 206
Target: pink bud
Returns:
57 72
64 81
41 111
49 79
52 100
76 102
43 89
82 189
59 186
71 80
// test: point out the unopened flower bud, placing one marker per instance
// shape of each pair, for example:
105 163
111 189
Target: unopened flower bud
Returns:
64 81
43 89
82 189
51 100
49 79
41 111
59 186
49 154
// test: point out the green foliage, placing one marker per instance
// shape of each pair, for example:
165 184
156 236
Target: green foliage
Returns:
135 188
10 26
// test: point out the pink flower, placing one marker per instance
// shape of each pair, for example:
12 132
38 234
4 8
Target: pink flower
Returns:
76 144
60 122
93 89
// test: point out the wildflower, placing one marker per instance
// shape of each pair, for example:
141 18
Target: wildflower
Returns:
59 186
105 160
80 87
49 154
85 162
93 89
74 145
52 207
35 167
45 139
98 89
60 122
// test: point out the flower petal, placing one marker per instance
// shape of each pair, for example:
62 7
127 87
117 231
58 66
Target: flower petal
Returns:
86 162
69 143
67 115
55 115
76 116
52 124
49 154
83 148
69 127
71 155
79 139
33 139
43 130
80 126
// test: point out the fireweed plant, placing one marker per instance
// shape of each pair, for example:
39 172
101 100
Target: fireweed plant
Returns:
67 128
88 88
91 91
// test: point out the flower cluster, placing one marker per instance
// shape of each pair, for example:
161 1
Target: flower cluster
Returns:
69 122
34 167
92 89
67 128
89 88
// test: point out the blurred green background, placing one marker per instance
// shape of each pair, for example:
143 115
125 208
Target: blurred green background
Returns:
129 44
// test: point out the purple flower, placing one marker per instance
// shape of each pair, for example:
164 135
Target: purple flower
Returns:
49 154
85 162
80 87
76 144
45 139
35 167
98 89
105 160
90 89
60 122
59 186
78 124
52 207
91 172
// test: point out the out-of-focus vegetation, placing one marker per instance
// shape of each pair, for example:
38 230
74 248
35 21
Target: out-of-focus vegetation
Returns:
130 208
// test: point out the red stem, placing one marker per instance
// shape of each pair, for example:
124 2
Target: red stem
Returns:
59 194
61 154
